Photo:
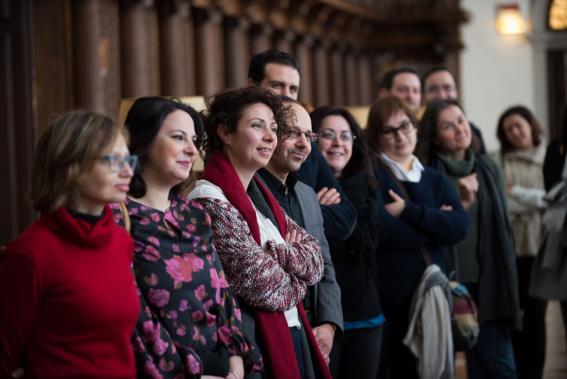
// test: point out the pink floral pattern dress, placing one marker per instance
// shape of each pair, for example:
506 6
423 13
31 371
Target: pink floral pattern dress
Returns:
190 322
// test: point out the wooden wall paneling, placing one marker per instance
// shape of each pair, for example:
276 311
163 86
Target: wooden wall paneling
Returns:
351 82
52 49
138 45
365 80
209 52
321 75
96 53
338 97
283 40
237 52
303 53
16 117
174 55
260 38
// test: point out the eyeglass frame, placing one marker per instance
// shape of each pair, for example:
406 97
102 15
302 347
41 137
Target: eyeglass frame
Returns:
295 134
392 131
337 135
131 160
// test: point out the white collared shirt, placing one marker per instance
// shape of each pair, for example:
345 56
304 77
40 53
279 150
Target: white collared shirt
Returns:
413 175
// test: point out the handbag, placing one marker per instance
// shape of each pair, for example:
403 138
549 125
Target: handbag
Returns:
464 315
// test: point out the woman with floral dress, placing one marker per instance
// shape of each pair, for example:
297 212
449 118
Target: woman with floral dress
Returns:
190 321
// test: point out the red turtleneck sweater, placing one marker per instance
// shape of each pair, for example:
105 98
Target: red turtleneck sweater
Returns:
68 304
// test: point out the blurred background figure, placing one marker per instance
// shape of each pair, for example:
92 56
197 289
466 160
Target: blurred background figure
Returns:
521 157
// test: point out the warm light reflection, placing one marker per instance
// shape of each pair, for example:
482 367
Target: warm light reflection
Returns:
509 19
558 15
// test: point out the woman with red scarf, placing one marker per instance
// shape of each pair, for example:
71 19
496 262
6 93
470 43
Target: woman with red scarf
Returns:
268 259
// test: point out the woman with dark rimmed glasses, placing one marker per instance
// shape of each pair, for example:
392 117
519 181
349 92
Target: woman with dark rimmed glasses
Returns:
68 304
422 218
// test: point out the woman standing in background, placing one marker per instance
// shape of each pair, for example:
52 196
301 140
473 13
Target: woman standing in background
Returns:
521 158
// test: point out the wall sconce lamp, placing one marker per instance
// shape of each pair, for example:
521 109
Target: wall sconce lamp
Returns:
509 20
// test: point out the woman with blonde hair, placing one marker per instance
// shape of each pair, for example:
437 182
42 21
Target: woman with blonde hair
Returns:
68 304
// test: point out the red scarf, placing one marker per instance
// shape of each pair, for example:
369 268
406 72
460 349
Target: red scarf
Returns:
275 337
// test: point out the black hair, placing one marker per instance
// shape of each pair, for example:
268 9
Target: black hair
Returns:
432 70
388 79
257 68
143 122
360 159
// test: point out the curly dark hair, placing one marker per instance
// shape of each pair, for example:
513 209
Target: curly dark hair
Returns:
144 121
226 109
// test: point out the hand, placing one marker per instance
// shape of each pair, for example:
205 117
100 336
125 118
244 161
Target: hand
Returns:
236 367
324 335
446 207
328 196
18 373
468 188
396 207
293 236
213 377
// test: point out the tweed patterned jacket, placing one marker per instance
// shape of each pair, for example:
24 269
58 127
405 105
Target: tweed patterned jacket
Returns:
273 277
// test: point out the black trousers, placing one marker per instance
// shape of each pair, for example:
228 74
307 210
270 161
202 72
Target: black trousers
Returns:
356 354
529 343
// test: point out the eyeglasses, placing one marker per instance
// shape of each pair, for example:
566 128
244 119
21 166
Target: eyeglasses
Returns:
116 163
406 127
295 134
331 135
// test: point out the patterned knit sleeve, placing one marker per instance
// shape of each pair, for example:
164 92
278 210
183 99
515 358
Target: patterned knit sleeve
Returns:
254 274
303 259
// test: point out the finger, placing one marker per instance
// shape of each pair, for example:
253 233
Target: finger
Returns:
328 194
321 192
394 195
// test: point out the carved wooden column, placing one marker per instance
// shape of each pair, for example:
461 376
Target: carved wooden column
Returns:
338 76
176 49
139 47
321 74
97 65
284 41
209 52
260 38
237 52
365 80
351 82
303 53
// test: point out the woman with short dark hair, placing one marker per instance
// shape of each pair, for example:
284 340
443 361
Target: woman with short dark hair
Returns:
68 304
269 260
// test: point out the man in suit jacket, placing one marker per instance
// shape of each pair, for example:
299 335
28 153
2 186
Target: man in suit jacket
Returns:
323 301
